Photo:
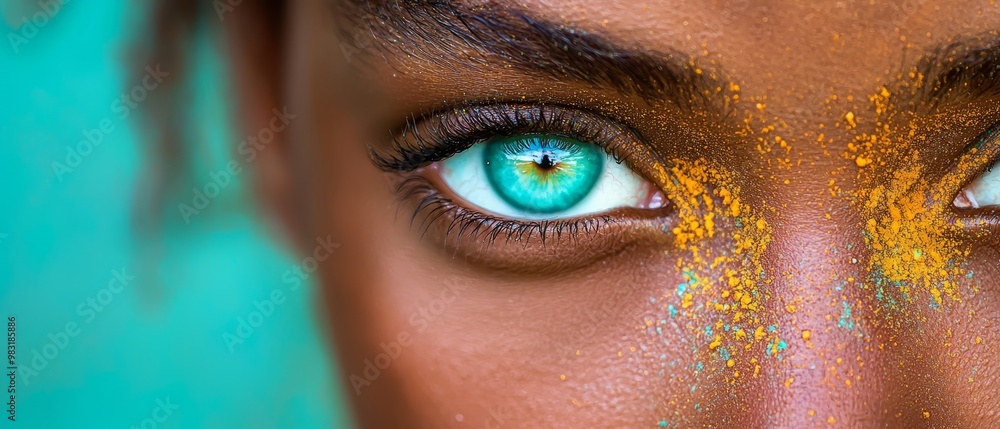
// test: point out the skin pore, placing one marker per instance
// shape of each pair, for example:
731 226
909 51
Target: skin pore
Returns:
808 269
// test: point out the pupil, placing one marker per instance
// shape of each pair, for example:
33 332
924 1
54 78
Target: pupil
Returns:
546 162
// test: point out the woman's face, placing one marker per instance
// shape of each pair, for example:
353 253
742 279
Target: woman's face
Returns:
781 247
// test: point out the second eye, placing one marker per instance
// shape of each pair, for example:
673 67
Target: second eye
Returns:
544 176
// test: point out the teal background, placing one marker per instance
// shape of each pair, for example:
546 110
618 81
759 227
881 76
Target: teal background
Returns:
162 337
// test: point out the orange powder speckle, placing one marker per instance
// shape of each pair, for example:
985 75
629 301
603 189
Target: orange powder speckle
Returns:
715 343
905 214
759 333
851 122
723 291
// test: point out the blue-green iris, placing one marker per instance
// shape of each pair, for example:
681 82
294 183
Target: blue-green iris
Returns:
542 173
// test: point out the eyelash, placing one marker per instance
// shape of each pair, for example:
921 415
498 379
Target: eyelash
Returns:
437 137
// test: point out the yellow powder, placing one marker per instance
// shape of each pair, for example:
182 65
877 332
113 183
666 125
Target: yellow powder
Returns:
849 117
905 214
724 288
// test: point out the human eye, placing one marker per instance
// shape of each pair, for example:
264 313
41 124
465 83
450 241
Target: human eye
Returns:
983 191
978 175
544 176
501 173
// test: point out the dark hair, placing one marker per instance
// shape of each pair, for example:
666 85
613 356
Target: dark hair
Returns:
173 27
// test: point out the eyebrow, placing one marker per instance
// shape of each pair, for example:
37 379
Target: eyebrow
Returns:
956 73
444 33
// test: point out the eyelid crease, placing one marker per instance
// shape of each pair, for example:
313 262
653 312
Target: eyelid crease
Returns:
438 136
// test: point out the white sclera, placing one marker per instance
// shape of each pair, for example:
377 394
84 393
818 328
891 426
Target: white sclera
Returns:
617 187
982 192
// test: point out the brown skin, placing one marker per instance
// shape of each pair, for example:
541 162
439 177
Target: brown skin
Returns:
526 314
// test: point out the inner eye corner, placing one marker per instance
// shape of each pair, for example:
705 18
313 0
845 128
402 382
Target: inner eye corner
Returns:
981 192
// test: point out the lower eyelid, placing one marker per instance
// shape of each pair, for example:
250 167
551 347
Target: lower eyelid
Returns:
534 246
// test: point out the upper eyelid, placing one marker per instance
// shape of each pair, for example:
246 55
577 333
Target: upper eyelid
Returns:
440 135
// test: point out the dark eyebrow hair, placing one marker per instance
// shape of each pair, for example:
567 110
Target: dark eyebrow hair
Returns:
454 35
957 73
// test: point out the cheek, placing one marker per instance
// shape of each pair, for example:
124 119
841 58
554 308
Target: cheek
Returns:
538 349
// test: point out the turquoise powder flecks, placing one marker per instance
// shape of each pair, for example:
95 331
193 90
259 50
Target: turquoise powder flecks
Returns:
690 281
933 303
776 346
672 310
845 317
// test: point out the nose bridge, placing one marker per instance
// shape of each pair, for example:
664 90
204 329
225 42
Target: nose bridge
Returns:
829 371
